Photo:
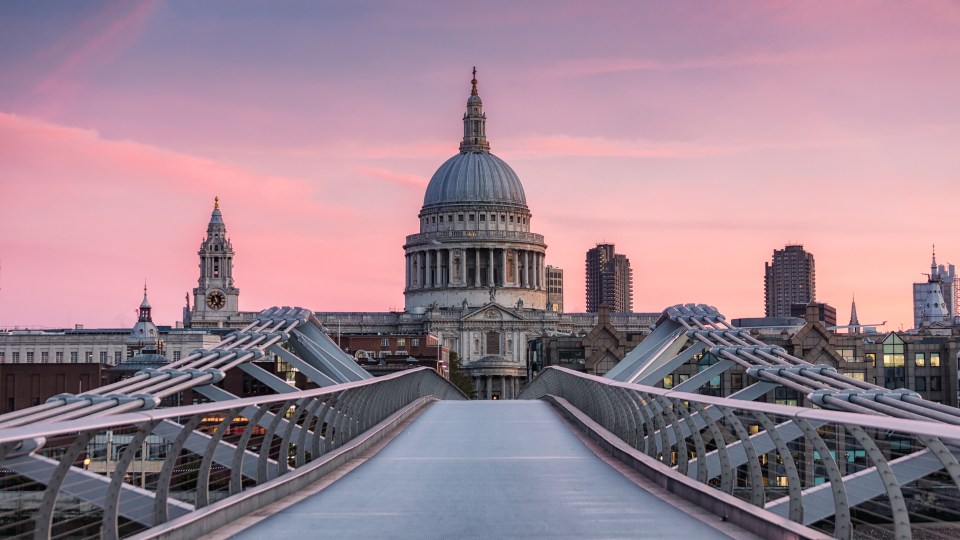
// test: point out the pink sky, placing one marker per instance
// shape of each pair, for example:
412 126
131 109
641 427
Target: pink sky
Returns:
698 137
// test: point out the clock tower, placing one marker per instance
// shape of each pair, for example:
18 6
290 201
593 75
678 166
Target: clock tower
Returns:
215 299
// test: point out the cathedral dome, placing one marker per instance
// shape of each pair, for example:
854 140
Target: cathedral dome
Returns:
474 177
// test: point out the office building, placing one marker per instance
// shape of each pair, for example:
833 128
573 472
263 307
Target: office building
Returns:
609 279
789 279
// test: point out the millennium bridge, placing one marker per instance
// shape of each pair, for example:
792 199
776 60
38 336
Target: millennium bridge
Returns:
407 455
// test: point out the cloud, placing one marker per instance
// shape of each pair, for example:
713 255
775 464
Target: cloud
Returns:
407 180
95 41
569 145
84 219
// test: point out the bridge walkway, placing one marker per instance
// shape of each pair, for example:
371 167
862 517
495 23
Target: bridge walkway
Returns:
495 469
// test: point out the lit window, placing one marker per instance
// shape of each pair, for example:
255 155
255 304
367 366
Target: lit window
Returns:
919 359
401 342
856 375
871 358
668 382
893 351
934 359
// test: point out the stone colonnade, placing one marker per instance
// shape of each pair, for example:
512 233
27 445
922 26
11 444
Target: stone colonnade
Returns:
501 387
475 267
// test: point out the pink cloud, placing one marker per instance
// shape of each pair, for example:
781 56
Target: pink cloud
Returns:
94 42
84 219
408 180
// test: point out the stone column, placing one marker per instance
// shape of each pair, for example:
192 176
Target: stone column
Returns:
516 269
476 271
406 281
539 270
428 282
503 388
421 273
441 280
516 387
449 267
503 268
536 259
490 267
489 387
526 269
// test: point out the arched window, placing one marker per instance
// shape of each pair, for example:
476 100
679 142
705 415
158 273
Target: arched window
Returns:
493 343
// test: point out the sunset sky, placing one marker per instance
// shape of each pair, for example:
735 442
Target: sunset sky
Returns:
696 136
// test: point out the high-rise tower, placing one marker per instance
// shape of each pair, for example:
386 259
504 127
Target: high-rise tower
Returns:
609 279
215 299
789 279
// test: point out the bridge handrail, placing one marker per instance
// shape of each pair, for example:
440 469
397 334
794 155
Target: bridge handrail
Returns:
194 455
50 429
881 465
929 428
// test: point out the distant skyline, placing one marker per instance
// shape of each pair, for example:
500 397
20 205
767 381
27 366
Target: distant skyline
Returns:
697 137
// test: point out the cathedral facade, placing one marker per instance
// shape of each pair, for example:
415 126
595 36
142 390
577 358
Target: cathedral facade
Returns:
476 272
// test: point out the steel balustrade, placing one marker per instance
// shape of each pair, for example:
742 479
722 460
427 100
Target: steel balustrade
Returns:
118 475
847 474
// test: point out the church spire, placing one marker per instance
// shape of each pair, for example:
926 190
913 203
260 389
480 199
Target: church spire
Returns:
474 122
145 309
854 326
933 263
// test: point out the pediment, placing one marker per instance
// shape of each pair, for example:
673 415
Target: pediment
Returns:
492 312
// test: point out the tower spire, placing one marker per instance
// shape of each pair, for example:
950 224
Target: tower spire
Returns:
474 122
854 322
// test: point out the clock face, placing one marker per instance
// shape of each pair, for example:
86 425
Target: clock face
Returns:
216 300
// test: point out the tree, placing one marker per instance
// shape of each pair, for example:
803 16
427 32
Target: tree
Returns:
461 381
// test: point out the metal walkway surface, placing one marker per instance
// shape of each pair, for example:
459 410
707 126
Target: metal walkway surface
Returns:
473 469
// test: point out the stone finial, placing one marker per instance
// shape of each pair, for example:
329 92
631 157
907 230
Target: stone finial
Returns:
216 203
473 92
